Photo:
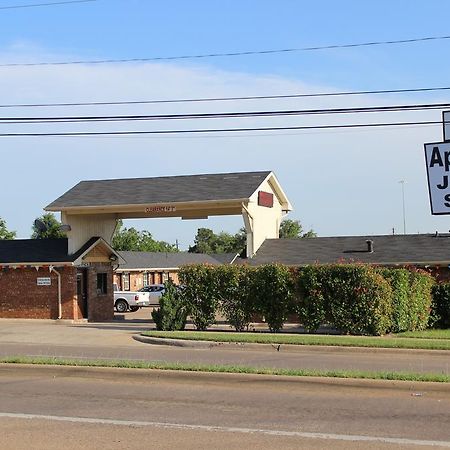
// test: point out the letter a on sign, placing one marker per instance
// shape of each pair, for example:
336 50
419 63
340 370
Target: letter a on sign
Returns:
437 158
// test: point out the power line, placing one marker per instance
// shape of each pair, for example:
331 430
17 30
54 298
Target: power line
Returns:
223 115
221 130
229 54
220 99
33 5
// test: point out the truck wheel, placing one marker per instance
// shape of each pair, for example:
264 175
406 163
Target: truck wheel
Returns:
121 306
134 308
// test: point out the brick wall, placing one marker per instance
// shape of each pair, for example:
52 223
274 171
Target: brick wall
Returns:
100 306
22 298
137 279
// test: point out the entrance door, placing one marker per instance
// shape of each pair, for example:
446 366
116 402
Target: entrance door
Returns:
82 292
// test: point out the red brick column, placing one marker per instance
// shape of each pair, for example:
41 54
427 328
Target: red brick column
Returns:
100 306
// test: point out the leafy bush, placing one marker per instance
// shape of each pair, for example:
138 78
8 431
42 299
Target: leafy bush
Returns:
234 288
311 305
411 298
355 298
440 307
272 290
200 294
172 313
420 299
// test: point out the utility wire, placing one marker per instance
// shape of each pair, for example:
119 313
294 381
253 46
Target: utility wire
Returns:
33 5
221 130
229 54
226 115
220 99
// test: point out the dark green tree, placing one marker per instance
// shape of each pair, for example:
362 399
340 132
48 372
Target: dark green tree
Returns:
52 228
206 241
4 232
130 239
292 229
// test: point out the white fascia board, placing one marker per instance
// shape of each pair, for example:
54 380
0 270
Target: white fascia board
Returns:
79 260
273 181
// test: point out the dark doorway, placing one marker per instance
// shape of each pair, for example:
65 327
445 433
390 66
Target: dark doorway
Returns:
82 292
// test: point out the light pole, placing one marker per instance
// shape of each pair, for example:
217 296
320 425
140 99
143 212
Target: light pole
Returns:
402 182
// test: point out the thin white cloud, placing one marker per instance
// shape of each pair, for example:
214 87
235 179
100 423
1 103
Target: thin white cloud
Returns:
339 182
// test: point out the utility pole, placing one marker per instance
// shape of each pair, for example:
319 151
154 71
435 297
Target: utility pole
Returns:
402 182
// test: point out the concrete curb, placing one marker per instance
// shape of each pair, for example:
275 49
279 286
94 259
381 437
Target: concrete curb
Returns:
280 347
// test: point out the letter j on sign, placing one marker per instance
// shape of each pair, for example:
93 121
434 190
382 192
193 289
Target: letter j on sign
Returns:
437 158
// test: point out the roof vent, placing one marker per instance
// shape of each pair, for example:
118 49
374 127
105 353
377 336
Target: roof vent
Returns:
369 243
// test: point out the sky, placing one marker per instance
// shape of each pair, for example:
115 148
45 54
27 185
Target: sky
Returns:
340 182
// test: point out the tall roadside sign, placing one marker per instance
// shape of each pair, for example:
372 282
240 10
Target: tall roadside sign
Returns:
437 158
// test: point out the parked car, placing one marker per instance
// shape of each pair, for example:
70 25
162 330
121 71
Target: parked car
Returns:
154 291
129 300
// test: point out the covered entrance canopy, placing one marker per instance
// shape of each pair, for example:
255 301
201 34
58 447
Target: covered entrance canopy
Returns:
92 208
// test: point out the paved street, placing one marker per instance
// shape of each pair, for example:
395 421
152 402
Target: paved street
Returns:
114 341
48 407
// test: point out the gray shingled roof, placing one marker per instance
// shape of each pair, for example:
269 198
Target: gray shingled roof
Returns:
160 260
390 249
136 191
34 251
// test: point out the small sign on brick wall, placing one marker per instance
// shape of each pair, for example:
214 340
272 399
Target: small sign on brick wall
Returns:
44 281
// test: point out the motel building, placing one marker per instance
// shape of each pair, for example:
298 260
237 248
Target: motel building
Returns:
72 278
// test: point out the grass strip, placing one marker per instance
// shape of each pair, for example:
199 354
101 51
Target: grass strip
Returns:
188 367
426 334
306 339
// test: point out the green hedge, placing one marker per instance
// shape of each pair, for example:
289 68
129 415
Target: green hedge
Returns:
412 290
440 308
354 298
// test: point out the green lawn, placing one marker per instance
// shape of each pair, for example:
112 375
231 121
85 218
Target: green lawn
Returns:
190 367
390 341
426 334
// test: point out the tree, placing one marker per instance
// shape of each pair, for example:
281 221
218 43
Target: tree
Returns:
5 234
130 239
50 231
292 229
206 241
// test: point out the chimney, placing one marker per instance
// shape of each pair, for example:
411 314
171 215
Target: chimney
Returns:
369 243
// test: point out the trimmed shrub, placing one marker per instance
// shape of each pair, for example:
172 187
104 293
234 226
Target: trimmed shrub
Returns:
354 298
360 300
199 293
420 299
440 307
272 289
171 314
234 284
411 298
310 304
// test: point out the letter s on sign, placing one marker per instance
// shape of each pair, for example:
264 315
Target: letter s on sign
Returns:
447 200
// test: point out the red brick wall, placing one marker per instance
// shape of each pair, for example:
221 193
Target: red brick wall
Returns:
22 298
100 306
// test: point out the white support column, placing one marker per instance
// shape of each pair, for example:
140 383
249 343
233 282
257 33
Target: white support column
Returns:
85 226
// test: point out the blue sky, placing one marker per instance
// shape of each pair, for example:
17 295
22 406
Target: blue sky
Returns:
339 182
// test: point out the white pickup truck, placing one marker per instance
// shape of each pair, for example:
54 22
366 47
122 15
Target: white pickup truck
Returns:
130 301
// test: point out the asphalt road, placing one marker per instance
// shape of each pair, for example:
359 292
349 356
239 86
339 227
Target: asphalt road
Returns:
70 408
114 341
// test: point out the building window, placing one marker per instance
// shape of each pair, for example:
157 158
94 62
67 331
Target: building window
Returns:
165 277
102 283
126 281
145 278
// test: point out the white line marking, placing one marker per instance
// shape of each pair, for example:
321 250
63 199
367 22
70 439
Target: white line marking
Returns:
182 426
